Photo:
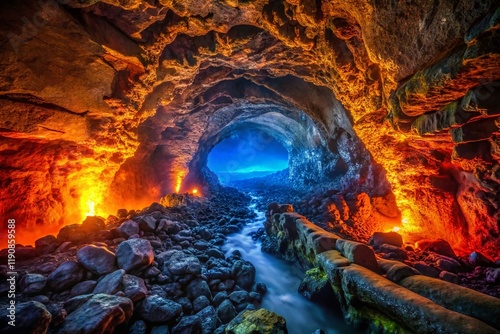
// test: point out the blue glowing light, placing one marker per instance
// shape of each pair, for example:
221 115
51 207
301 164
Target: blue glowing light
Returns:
247 154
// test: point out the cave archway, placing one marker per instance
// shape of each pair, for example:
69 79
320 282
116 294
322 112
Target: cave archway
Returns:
247 153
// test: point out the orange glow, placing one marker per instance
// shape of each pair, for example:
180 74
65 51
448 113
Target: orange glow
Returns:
178 182
195 191
91 205
91 201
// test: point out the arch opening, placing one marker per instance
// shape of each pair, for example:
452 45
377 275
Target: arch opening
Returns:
246 154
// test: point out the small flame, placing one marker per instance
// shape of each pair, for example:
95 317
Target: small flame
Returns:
91 206
396 229
178 183
195 191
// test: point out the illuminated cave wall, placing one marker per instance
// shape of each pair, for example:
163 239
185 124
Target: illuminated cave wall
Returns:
113 97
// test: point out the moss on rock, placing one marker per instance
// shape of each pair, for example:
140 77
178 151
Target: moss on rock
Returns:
257 322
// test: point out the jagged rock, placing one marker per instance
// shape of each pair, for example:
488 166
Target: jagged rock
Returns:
179 263
244 273
147 223
493 275
439 246
391 238
83 288
157 310
65 276
219 298
259 321
226 311
96 259
478 259
128 228
99 314
188 325
198 287
47 244
426 270
448 264
134 254
30 317
209 320
32 284
73 303
315 286
134 287
199 303
111 283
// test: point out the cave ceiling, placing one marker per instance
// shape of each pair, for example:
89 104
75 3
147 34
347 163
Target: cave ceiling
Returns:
118 98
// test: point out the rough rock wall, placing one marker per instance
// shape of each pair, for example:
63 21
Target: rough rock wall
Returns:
134 83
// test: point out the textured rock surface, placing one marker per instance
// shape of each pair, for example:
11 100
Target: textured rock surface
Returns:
154 86
100 314
259 321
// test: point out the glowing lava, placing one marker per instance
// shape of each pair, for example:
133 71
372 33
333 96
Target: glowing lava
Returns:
178 182
91 205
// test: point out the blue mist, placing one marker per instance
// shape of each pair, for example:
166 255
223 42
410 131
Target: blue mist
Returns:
247 154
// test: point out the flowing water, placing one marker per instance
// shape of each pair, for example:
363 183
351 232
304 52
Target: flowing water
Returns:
282 281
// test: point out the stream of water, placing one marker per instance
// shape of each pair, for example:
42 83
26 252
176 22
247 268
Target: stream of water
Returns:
282 280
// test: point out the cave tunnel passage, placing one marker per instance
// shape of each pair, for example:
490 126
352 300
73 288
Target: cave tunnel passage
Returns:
247 154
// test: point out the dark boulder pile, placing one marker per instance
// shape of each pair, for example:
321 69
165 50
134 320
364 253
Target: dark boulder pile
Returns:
160 270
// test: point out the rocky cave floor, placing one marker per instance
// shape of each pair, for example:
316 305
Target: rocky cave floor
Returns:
164 267
431 257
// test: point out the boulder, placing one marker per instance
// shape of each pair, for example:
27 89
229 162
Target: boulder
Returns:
244 273
31 317
147 223
99 314
316 287
111 283
239 297
448 264
134 287
391 238
426 270
478 259
438 246
47 244
449 277
358 253
198 287
65 276
134 254
257 322
97 259
493 275
83 288
200 303
32 284
180 263
209 320
157 310
226 311
128 228
188 325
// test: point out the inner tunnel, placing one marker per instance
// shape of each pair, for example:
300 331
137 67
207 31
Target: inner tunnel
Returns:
182 146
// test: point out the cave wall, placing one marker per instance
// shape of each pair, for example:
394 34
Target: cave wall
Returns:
133 84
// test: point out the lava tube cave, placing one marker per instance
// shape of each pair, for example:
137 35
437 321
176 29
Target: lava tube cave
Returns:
267 166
